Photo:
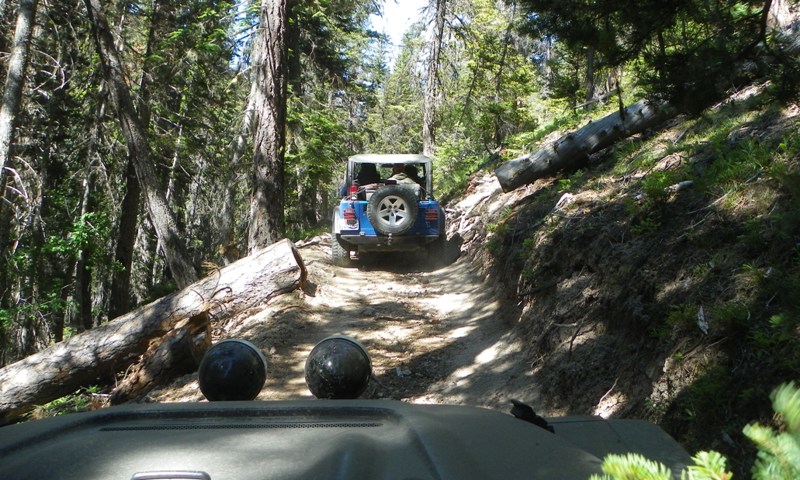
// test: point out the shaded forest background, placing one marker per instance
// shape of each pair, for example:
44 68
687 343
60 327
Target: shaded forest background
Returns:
474 83
79 243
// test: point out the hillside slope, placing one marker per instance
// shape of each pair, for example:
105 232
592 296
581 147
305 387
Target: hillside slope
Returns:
662 281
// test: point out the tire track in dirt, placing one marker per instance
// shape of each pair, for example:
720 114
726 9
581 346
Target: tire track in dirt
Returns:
434 336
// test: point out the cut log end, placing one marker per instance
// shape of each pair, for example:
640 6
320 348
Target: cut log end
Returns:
177 353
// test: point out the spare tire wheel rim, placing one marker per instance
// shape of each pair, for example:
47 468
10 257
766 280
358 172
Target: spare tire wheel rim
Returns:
393 211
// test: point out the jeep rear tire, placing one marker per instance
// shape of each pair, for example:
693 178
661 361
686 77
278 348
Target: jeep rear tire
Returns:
393 209
340 256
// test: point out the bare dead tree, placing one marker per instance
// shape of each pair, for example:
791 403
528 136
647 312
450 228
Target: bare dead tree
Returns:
432 82
15 78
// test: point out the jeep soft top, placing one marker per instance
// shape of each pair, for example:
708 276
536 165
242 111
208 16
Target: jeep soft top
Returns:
384 163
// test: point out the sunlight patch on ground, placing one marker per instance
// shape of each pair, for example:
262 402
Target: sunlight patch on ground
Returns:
464 372
495 359
461 332
431 399
450 302
610 404
488 355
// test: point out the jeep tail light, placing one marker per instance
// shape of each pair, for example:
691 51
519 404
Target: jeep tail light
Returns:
349 215
353 191
431 215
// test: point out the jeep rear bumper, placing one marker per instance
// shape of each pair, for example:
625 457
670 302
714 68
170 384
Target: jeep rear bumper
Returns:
375 243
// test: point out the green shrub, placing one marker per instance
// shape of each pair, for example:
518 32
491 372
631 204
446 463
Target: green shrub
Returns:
778 450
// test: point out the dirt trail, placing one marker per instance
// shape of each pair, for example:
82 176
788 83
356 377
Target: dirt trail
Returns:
434 336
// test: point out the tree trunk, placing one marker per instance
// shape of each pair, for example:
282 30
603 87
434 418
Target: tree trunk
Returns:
267 223
101 352
15 78
139 149
129 212
3 6
780 14
119 301
573 149
589 80
432 83
83 274
228 248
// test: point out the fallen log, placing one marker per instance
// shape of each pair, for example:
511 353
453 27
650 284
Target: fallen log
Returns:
573 149
176 353
102 352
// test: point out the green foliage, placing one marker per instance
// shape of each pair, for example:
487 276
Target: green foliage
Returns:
734 166
707 466
679 49
455 161
682 317
785 76
552 118
566 184
778 450
486 86
497 232
336 65
632 466
327 39
732 317
88 231
319 136
498 78
6 318
647 222
655 184
700 403
80 401
394 125
633 154
783 166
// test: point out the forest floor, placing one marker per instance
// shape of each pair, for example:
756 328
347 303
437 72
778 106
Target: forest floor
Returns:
433 335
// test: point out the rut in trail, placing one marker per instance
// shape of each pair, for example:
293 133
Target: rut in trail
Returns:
434 336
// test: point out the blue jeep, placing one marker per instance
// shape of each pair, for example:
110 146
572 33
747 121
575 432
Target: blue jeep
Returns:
387 205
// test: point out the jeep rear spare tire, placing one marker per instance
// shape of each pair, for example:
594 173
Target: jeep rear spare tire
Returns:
393 209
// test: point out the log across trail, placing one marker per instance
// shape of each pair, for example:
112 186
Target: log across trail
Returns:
104 351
